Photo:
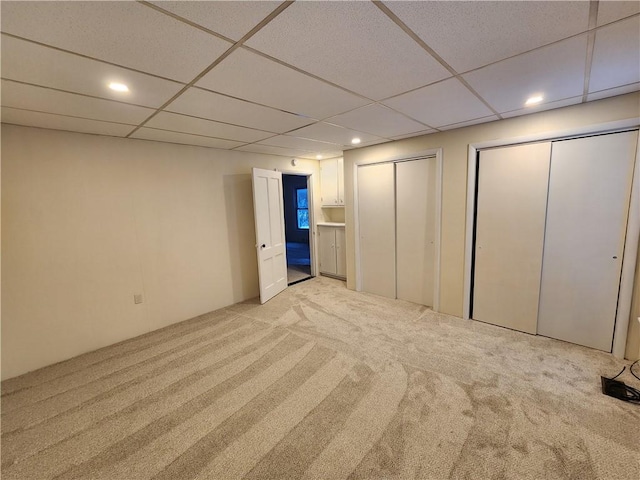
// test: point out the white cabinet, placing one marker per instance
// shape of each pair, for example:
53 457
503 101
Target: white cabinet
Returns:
332 244
332 182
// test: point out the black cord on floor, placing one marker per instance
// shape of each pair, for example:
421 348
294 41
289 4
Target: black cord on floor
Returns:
617 389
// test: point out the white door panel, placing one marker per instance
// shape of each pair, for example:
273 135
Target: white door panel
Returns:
510 224
376 211
327 250
270 238
341 253
590 185
415 229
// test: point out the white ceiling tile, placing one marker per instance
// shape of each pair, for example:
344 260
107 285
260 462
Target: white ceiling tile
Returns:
377 119
28 97
415 134
543 107
490 118
556 72
125 33
277 86
616 55
183 138
612 10
32 63
325 132
440 104
468 35
213 106
286 141
270 150
231 19
612 92
209 128
369 143
324 156
352 44
59 122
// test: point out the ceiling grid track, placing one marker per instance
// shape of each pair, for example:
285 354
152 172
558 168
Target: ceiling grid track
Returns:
591 40
432 52
368 111
216 62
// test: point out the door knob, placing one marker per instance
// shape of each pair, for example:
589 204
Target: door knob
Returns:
263 246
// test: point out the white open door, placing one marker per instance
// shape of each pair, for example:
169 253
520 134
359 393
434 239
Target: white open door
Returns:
270 239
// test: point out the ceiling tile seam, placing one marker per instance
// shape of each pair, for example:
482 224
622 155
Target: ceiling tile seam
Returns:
379 103
178 143
273 146
304 72
395 19
585 32
591 40
76 93
218 60
254 103
185 20
198 134
63 130
235 149
313 139
87 57
542 104
615 88
221 122
466 121
69 116
413 90
333 125
257 142
357 130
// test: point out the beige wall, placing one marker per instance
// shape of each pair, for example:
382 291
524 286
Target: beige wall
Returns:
89 221
455 144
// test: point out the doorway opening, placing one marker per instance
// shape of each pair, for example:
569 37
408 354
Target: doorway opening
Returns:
297 225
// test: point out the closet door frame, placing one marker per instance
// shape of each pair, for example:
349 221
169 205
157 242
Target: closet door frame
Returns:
434 152
633 226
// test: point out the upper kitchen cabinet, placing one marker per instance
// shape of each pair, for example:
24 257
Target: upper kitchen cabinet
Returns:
332 182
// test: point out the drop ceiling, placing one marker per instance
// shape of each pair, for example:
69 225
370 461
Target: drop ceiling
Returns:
304 78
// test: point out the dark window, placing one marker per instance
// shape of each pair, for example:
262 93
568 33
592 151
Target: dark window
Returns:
302 208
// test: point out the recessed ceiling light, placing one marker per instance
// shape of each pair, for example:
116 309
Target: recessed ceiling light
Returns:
355 141
118 87
534 100
318 157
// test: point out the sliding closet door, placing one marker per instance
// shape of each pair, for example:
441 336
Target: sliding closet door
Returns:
415 229
512 197
589 191
376 214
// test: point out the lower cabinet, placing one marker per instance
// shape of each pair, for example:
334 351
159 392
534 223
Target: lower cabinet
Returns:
332 244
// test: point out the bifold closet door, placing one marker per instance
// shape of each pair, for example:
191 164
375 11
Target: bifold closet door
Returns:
589 191
376 218
415 229
510 223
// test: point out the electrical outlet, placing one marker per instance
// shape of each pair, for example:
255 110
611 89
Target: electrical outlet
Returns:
137 298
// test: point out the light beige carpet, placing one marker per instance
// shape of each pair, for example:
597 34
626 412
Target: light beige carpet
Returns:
322 383
295 273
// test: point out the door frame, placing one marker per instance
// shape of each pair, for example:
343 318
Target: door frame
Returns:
312 223
432 152
632 239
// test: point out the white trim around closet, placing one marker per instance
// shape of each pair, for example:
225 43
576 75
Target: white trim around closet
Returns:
633 225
